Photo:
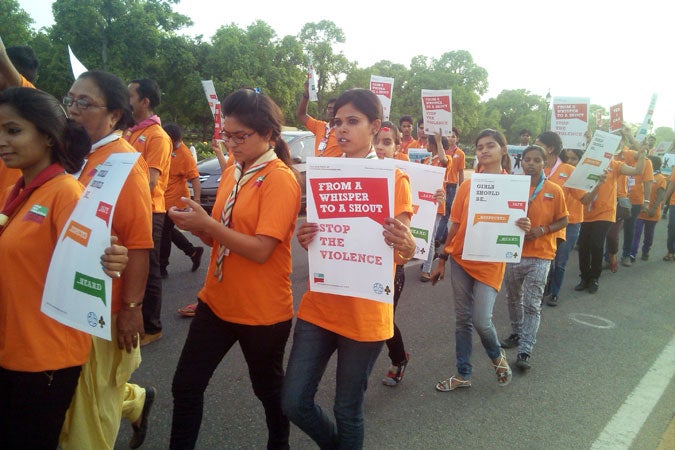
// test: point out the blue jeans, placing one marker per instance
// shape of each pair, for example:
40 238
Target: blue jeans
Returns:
524 283
562 254
442 229
670 242
629 230
648 226
311 351
473 309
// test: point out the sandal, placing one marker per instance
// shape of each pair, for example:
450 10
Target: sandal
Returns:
426 276
188 310
669 257
394 377
452 383
502 369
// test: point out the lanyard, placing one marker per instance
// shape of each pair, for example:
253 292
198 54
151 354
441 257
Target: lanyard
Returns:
538 188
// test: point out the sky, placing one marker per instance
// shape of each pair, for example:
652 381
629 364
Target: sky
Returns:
577 48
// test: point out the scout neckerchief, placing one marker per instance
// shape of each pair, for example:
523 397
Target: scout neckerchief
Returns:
154 119
558 161
540 185
226 214
20 192
115 135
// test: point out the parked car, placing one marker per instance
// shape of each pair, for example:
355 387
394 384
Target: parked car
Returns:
301 145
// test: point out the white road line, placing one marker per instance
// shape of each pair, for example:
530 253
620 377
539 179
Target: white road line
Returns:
628 420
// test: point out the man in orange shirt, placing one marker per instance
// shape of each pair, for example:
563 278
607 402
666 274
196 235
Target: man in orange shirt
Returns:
325 143
639 193
183 169
454 176
148 138
670 242
422 137
405 124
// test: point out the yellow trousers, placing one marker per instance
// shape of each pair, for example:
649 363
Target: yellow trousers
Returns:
103 396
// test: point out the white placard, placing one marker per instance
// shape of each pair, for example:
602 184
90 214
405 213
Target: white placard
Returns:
383 87
496 202
75 65
417 155
211 96
313 83
77 292
424 181
570 120
437 111
595 160
642 131
349 198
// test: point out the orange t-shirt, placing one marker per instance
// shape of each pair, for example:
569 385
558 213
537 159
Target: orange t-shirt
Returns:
572 196
155 146
635 183
604 206
26 83
401 156
8 177
409 143
251 293
547 207
660 182
455 165
183 168
132 218
325 134
490 273
30 341
353 317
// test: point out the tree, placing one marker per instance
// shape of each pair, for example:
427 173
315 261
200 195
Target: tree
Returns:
519 109
15 24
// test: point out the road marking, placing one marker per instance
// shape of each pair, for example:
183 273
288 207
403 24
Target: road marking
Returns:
592 321
629 419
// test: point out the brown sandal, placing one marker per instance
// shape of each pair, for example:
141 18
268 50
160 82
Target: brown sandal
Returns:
502 369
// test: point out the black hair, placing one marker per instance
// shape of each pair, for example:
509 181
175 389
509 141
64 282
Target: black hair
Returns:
391 126
24 60
525 131
551 139
456 131
535 148
405 119
576 151
148 88
174 131
363 100
115 94
70 141
258 112
501 140
656 162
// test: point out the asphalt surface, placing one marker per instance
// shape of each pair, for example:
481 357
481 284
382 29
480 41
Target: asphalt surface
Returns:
591 353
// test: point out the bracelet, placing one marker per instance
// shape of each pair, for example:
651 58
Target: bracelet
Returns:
132 305
405 258
443 256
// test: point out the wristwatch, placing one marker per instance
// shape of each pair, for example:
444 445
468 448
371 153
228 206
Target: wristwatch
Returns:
443 256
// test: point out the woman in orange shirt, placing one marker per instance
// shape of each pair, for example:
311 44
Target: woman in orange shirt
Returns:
40 358
475 283
354 327
525 281
649 218
247 295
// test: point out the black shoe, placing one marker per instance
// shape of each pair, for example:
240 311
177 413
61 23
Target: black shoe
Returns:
583 284
511 341
141 430
197 258
593 286
163 273
552 300
523 361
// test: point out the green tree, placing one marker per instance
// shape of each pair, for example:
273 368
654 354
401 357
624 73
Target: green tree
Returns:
15 24
518 109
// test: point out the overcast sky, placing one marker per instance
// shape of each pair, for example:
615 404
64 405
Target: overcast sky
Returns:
575 48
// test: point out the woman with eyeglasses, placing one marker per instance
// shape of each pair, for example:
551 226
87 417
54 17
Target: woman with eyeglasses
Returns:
525 281
99 102
247 295
354 327
475 283
40 358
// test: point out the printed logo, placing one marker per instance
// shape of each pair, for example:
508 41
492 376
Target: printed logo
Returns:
318 278
420 233
103 212
90 286
259 181
508 240
37 213
92 319
78 232
378 288
516 205
491 218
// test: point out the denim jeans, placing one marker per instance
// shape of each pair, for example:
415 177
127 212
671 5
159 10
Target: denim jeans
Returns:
426 267
311 351
648 226
442 229
208 341
562 254
629 229
474 302
670 242
524 283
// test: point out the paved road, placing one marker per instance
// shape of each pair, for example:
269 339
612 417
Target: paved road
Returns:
591 355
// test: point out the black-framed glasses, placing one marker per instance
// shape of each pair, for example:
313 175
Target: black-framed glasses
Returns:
80 103
236 138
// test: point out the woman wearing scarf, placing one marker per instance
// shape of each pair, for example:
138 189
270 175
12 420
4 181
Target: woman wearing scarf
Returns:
247 295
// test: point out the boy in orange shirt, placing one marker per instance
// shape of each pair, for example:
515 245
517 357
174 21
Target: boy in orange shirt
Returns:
325 144
649 218
454 176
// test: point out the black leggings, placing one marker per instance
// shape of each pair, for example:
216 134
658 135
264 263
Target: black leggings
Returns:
395 344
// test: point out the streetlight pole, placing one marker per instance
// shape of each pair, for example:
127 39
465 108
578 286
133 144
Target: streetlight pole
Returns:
548 105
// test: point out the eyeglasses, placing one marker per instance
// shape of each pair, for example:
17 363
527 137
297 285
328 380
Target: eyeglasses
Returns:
236 138
80 103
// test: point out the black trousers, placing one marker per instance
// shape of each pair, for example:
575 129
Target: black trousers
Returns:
152 300
208 341
170 234
395 343
591 245
33 406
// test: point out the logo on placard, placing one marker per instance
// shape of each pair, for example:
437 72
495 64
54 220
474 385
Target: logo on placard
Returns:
92 319
378 288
